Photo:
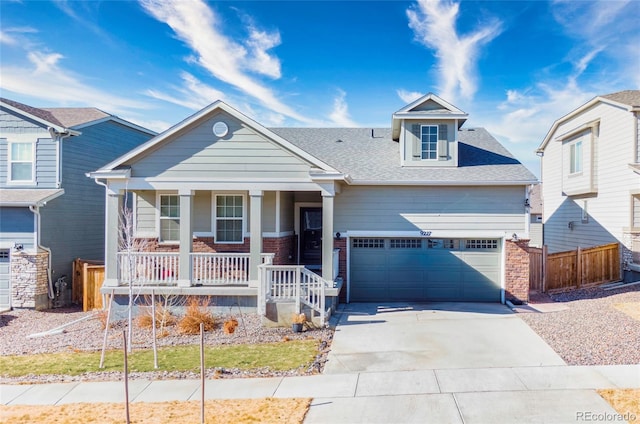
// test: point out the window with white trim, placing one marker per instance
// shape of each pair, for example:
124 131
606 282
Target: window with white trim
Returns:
21 162
405 244
429 141
368 243
169 218
575 159
229 218
440 244
472 244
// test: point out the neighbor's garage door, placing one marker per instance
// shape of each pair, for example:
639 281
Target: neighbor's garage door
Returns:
407 269
5 280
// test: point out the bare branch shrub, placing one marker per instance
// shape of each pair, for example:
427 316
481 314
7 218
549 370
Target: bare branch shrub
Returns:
163 318
197 312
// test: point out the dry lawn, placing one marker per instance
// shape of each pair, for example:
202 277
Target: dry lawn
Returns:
630 308
269 410
625 401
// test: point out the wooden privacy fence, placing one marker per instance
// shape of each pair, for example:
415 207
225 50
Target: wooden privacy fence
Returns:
87 280
574 268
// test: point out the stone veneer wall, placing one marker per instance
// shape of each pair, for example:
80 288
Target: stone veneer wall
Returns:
517 270
29 281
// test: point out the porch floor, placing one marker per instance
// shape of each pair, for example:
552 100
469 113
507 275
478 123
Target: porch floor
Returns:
184 291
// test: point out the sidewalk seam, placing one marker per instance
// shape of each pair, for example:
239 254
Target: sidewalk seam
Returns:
455 400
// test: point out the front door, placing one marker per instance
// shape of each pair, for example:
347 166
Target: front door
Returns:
311 237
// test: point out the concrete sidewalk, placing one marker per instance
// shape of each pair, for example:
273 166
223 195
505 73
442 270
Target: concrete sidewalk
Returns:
551 394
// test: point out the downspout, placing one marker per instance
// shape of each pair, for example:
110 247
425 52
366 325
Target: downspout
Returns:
36 211
58 136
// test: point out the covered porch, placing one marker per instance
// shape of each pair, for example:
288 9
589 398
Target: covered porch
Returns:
289 265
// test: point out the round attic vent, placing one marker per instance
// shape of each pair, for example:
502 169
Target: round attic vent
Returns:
220 129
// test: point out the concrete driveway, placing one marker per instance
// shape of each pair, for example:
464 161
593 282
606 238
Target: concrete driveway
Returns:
443 335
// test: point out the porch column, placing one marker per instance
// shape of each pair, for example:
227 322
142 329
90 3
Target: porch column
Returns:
255 244
327 236
186 237
112 229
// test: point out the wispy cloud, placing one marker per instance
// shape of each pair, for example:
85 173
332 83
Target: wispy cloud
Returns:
193 94
85 16
340 113
434 25
12 36
604 57
196 24
46 79
408 96
604 30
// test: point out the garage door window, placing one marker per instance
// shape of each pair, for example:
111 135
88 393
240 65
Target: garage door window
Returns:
481 244
441 244
368 243
406 244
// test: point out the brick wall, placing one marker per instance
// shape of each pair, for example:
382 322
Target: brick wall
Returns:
342 267
517 270
284 248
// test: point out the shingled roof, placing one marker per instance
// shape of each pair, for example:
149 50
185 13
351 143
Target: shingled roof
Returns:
61 116
627 97
366 158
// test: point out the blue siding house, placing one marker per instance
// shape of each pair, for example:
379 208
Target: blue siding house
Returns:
50 212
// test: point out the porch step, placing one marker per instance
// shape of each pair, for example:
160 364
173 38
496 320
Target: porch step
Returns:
280 314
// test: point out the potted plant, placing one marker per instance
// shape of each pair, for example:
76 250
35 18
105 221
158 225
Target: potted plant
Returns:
298 321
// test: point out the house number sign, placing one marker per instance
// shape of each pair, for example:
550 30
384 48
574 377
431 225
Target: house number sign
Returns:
425 233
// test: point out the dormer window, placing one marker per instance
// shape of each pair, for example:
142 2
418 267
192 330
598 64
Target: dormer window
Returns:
427 132
429 141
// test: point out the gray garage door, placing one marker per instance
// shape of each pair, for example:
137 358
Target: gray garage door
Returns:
408 269
5 280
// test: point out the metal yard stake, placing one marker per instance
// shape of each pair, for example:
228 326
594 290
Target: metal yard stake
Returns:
126 376
202 372
106 330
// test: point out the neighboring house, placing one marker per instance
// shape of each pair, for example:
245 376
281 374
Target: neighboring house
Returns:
50 212
421 211
591 186
535 212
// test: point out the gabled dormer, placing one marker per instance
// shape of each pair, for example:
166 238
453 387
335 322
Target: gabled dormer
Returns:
427 131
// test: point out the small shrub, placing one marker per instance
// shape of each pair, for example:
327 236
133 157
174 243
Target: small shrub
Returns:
164 317
299 318
196 314
230 325
102 317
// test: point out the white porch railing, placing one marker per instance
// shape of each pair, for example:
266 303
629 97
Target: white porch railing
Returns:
162 268
157 268
292 283
223 268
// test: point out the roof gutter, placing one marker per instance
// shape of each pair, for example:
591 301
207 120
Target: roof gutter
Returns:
443 183
40 203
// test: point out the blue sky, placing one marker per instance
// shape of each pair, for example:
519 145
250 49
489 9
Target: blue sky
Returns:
514 66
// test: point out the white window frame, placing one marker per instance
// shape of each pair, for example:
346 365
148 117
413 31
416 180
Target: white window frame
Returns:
576 157
10 162
422 143
160 217
216 218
